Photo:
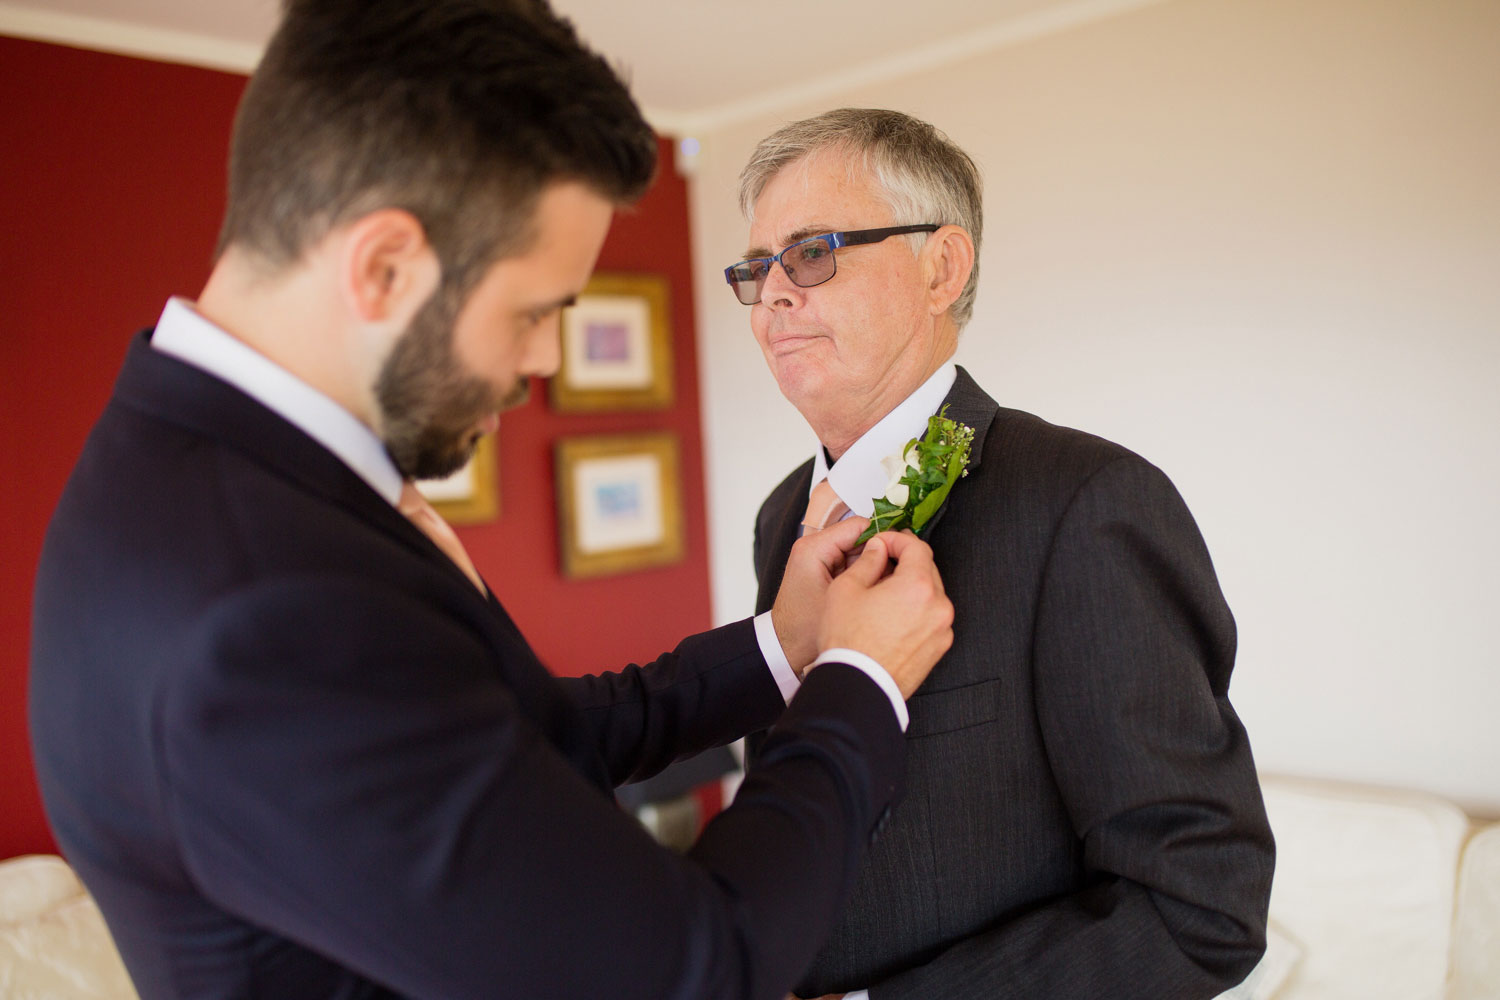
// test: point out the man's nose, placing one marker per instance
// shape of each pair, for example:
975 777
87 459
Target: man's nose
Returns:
779 290
544 348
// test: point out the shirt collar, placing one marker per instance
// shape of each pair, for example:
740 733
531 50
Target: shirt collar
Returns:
858 477
185 333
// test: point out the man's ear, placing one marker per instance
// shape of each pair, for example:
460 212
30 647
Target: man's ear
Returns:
948 260
388 269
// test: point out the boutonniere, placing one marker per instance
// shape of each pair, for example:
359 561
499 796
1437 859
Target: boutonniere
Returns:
921 476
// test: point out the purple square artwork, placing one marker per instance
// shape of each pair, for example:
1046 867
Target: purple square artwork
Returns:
606 342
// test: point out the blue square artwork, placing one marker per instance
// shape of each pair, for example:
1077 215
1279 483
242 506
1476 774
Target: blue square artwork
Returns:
615 501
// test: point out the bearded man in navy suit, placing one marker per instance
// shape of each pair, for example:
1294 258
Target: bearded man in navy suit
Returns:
1083 816
290 741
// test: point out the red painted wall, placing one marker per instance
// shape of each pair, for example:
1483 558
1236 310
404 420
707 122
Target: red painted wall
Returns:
111 190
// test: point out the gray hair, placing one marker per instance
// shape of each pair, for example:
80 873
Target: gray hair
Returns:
923 175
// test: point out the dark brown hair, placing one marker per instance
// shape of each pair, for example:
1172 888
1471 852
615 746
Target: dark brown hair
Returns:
459 111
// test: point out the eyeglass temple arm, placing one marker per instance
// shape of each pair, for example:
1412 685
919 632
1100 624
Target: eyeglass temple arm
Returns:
859 236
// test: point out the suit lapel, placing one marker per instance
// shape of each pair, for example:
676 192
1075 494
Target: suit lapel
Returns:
173 391
177 392
971 405
967 404
777 543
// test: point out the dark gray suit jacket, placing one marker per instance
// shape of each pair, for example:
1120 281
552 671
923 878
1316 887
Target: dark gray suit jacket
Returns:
1083 817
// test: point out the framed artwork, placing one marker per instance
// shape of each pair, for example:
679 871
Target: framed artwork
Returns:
619 503
616 347
472 494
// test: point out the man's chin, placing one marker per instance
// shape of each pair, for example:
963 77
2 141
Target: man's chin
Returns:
441 466
438 456
431 460
799 383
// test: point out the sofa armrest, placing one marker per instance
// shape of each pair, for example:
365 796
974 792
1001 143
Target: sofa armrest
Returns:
1475 970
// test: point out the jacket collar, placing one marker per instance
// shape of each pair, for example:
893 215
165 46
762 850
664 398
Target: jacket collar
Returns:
178 393
967 404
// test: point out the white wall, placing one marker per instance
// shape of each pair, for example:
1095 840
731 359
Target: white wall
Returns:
1257 241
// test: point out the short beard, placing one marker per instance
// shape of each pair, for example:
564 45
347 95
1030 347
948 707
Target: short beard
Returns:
428 403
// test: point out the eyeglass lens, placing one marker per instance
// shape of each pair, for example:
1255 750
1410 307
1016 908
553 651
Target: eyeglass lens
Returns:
808 263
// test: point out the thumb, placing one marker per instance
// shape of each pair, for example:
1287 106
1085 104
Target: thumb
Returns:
832 545
870 566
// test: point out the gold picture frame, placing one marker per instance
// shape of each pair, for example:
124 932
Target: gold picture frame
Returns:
472 494
616 347
619 503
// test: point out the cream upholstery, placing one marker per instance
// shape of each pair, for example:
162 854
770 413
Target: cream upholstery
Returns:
1475 970
1364 885
53 942
1267 978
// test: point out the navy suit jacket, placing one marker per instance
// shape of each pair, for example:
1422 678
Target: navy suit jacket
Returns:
294 753
1082 816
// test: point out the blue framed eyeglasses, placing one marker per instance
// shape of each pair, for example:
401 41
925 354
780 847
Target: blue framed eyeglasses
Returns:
808 262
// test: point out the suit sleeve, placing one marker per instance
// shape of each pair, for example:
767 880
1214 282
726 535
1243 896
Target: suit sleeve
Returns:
712 689
1133 650
345 769
758 544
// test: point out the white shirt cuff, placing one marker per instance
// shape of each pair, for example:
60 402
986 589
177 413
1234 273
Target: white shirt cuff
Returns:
877 674
770 648
858 995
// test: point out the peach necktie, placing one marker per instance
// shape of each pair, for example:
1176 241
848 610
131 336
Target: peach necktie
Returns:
417 510
823 508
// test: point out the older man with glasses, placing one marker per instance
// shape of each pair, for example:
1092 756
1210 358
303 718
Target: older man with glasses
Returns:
1083 816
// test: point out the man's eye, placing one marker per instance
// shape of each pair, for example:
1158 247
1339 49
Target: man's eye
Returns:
814 251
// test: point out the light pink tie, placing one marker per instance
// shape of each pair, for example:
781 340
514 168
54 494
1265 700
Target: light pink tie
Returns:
417 510
823 508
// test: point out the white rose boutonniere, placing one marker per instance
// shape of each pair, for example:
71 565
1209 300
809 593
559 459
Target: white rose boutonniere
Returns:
921 476
897 492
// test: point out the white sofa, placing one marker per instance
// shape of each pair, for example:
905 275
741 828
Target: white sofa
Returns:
53 942
1379 895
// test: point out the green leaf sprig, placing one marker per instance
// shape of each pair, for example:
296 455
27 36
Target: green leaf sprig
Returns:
941 457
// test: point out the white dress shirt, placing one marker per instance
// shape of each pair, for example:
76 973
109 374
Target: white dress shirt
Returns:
858 478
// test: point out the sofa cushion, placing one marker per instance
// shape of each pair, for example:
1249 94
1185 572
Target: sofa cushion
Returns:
53 942
33 884
1364 884
1273 969
1475 971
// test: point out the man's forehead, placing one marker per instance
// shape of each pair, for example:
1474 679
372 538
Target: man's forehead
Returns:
826 191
